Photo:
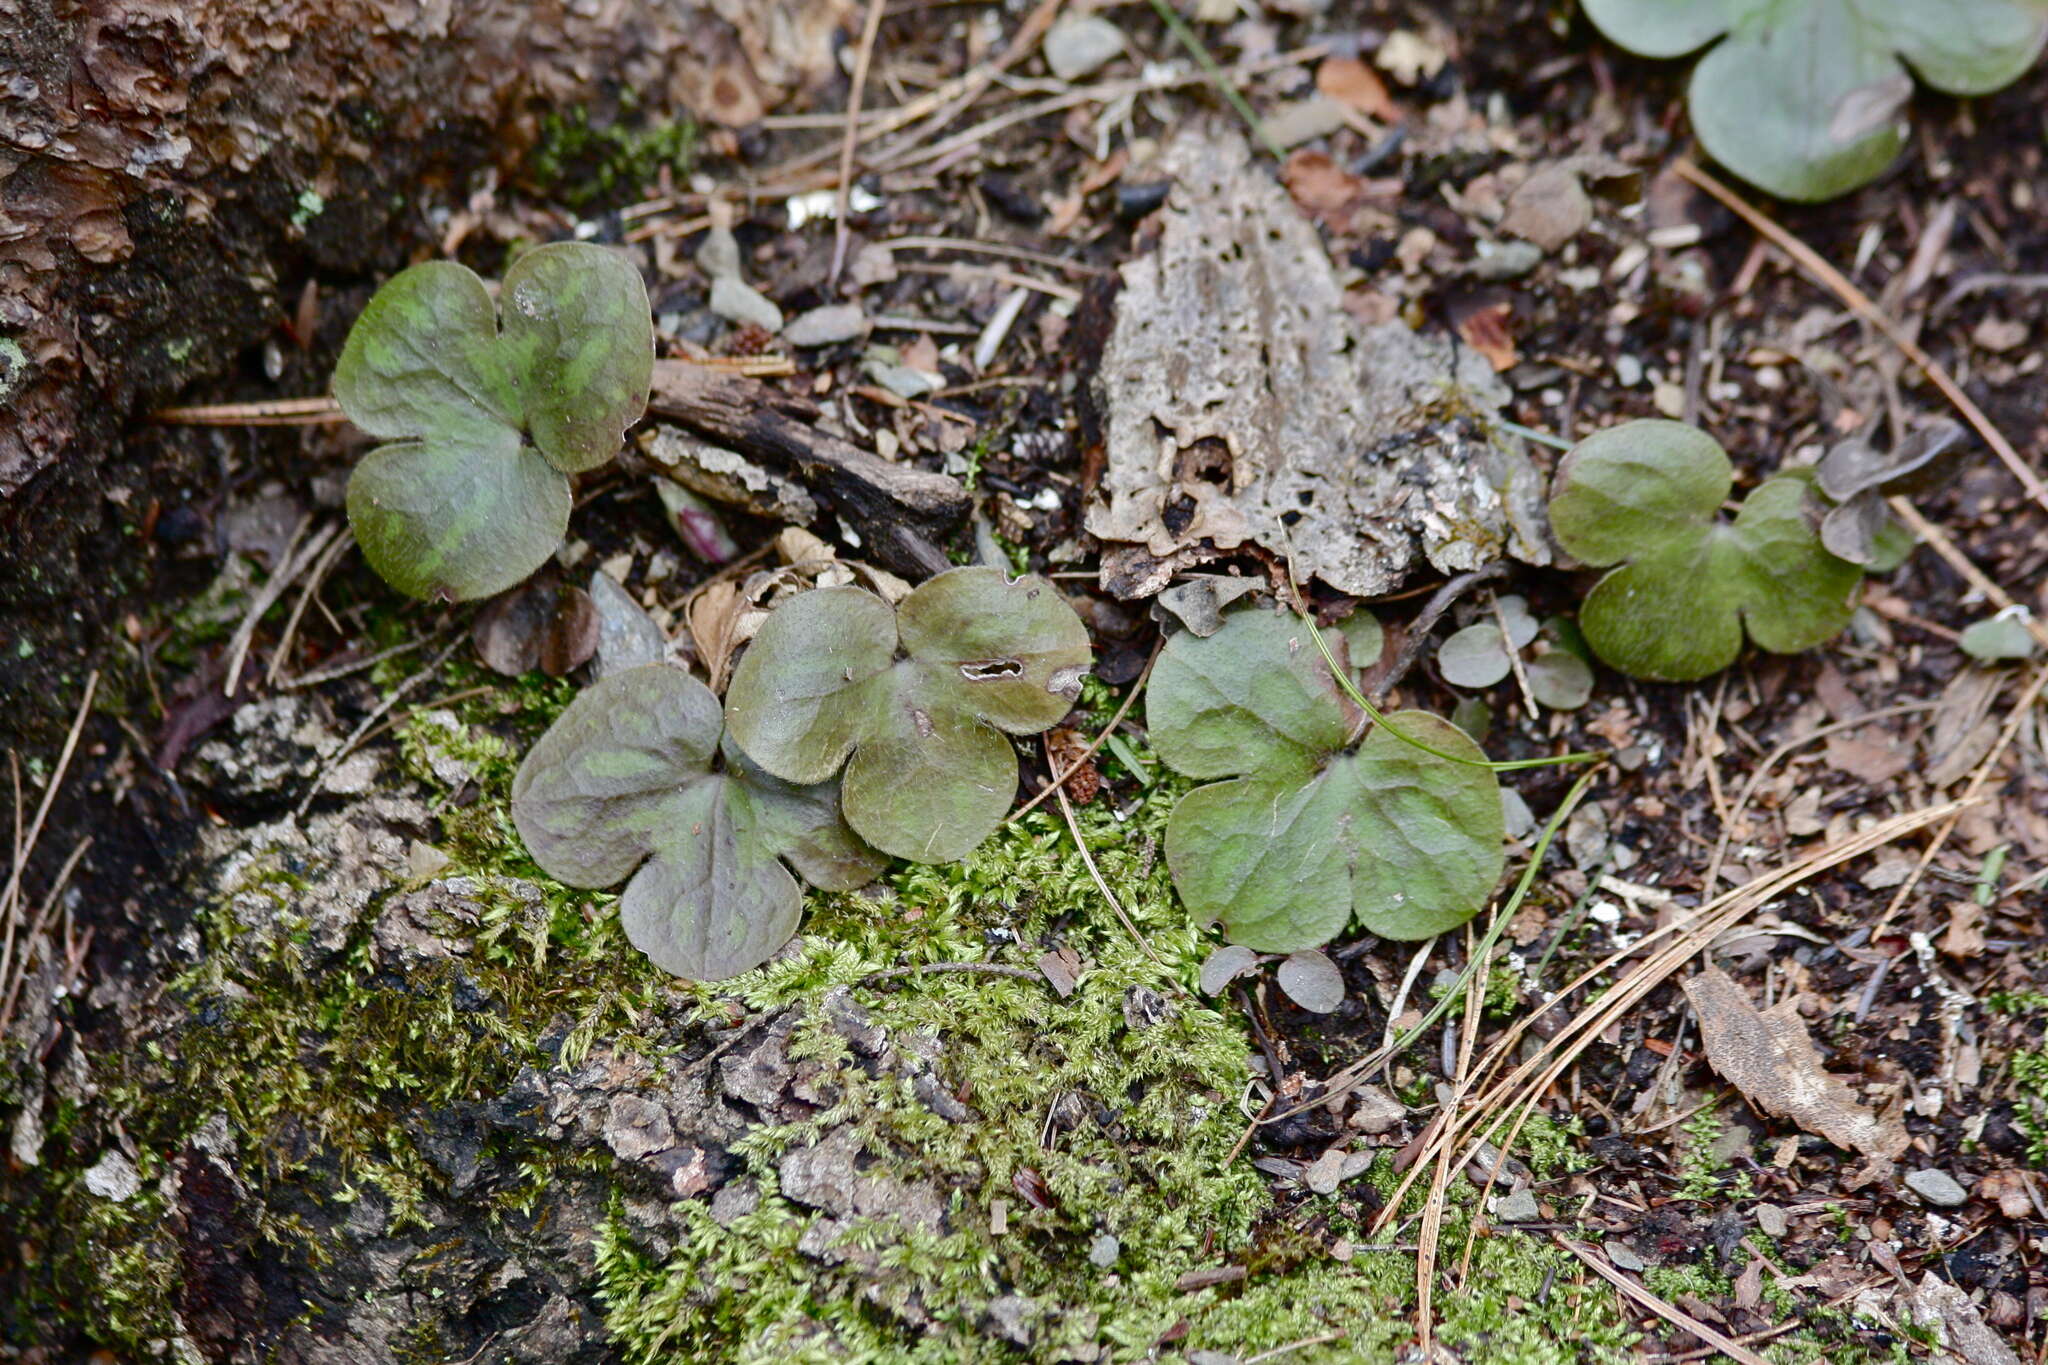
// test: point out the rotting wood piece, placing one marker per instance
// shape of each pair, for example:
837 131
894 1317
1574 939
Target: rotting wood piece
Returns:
897 511
1239 406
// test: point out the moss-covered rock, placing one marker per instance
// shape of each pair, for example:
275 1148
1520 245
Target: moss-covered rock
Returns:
398 1098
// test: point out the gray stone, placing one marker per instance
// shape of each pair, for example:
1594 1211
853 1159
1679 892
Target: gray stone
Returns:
1304 120
635 1127
827 326
1772 1220
718 255
1079 44
1938 1188
1374 1111
113 1177
1013 1318
1624 1257
1103 1251
626 635
1519 1207
738 302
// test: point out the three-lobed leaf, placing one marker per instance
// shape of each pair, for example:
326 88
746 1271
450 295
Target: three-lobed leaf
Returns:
915 700
1645 496
1806 97
638 773
487 419
1312 833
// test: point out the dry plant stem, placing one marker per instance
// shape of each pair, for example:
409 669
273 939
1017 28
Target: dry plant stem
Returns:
1756 777
335 550
276 412
1726 1345
297 559
356 736
1863 306
15 980
1096 744
1500 618
976 82
1440 1178
2014 719
1417 638
1675 944
841 229
25 847
1002 249
1074 828
1938 540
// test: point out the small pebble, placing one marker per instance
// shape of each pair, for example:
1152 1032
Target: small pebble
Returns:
114 1177
718 256
739 302
1772 1220
1938 1188
1376 1112
1104 1250
827 326
1623 1256
1304 121
1519 1207
1080 43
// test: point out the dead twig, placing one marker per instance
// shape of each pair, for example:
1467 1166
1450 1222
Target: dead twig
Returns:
2006 734
1060 778
863 56
275 412
13 980
1864 307
1727 1345
25 846
297 559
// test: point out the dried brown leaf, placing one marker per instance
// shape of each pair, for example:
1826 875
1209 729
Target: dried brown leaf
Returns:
1352 82
1771 1059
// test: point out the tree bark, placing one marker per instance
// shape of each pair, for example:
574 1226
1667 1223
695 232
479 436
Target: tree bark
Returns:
173 175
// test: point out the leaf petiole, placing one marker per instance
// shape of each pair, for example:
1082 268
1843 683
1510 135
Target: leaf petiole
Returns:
1378 717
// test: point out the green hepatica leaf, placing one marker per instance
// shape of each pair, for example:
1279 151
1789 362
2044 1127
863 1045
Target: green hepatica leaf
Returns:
628 777
459 517
1805 97
1645 496
474 495
919 696
577 321
1315 834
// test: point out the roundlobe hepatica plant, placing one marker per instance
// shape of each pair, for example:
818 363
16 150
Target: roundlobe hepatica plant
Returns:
639 773
1646 497
487 418
921 695
1317 828
1806 97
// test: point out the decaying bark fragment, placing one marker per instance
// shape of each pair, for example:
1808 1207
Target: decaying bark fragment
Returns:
1241 405
162 163
896 510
